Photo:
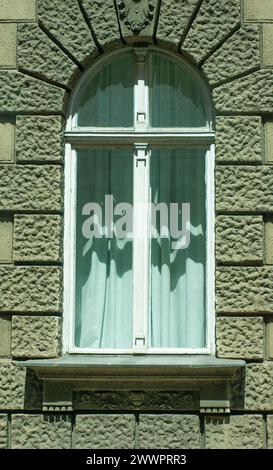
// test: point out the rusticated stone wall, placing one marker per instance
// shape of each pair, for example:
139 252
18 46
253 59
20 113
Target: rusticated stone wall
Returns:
45 46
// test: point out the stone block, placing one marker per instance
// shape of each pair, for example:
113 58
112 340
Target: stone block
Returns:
5 239
5 335
239 239
39 139
169 432
8 45
269 240
244 188
3 431
37 238
30 188
238 139
30 289
250 94
215 20
258 10
270 432
12 386
238 55
24 10
40 432
23 94
174 19
236 432
269 142
244 290
35 336
64 20
240 338
268 45
258 387
103 19
105 432
6 141
38 54
269 338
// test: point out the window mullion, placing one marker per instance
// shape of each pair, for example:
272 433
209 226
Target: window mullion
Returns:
141 231
141 90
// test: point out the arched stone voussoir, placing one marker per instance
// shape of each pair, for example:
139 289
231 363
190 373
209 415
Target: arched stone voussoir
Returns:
174 19
238 55
102 17
21 93
216 19
249 94
64 20
40 55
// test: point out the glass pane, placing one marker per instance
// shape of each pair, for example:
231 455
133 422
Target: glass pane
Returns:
178 249
177 97
103 259
108 99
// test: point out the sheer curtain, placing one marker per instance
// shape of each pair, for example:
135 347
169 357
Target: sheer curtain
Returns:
103 266
177 317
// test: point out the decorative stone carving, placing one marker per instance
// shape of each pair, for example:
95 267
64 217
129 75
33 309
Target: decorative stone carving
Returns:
136 14
137 400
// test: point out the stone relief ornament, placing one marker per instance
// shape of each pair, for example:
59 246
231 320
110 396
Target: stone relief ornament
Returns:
136 14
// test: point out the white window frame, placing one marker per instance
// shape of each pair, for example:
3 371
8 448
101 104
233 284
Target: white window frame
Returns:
140 139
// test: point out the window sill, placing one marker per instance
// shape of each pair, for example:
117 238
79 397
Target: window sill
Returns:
153 382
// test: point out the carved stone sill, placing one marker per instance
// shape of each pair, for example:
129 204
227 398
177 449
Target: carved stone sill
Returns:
157 383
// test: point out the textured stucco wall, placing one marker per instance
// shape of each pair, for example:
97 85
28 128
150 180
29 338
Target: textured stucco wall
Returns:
44 46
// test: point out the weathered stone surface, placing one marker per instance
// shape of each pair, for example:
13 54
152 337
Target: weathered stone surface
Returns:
169 432
65 22
137 19
25 10
245 188
37 238
24 94
258 387
239 239
3 431
258 10
30 289
37 53
12 386
270 340
216 19
30 188
268 44
269 240
250 94
239 54
6 141
270 431
40 432
39 138
35 336
269 142
238 139
5 239
244 290
103 18
5 335
237 432
104 432
174 19
8 45
240 338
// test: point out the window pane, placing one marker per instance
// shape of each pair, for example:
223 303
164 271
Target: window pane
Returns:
178 272
103 265
108 99
177 97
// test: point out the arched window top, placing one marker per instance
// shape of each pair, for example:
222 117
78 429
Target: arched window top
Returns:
144 88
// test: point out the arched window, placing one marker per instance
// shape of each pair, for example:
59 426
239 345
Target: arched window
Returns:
139 208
